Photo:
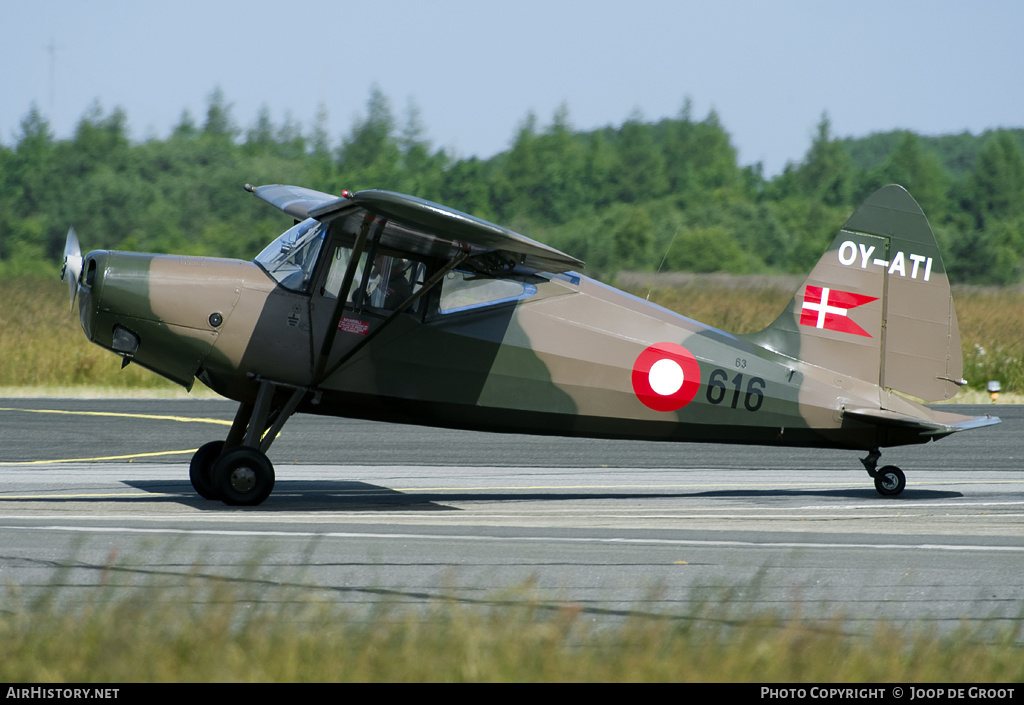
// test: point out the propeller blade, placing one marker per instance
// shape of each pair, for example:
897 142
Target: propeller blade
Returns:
72 269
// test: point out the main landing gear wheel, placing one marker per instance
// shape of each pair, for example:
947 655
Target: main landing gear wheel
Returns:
200 470
243 476
890 481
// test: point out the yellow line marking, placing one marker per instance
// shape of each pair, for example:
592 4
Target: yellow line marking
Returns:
105 495
153 417
97 460
156 417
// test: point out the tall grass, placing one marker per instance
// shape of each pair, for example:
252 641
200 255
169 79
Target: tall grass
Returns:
42 344
992 335
207 630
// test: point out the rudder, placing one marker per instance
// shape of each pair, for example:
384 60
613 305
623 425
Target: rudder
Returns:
878 305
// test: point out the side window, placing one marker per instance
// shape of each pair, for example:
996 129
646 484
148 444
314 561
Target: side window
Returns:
463 291
340 258
391 281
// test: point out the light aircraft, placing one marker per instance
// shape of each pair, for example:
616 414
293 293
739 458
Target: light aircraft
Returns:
377 305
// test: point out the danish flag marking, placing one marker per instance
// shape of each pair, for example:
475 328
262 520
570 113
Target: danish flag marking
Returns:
829 309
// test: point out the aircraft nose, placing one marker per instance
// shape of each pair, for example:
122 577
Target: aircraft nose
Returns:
112 303
155 310
115 283
88 290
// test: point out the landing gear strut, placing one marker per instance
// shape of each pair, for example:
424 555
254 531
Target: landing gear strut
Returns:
890 480
237 470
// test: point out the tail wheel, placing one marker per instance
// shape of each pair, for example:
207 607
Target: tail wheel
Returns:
890 481
200 470
243 476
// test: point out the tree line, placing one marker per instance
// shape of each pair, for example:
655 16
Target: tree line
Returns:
643 195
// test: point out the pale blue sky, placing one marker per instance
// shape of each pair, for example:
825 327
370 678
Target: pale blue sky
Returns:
476 68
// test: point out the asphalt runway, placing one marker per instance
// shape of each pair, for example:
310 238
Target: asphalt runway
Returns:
96 491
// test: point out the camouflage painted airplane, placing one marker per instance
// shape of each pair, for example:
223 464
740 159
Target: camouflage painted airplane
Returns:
377 305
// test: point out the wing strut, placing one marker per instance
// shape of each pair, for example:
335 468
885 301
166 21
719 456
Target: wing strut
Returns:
422 291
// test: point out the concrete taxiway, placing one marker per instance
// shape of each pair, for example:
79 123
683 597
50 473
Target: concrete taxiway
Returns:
363 511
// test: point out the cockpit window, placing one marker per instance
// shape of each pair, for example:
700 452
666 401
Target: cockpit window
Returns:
290 259
463 291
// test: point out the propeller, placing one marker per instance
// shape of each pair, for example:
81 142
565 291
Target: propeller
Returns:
72 269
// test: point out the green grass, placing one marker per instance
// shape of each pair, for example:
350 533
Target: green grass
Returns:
42 346
215 630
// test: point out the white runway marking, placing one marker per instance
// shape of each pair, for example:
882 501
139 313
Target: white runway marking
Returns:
524 539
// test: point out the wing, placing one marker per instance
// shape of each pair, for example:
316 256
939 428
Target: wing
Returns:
296 201
424 217
417 225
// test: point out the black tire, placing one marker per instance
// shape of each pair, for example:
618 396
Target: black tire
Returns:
890 481
200 470
243 477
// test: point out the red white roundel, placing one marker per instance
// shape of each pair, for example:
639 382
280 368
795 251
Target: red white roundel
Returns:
666 377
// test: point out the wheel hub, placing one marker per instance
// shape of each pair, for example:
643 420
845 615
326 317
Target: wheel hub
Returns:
243 479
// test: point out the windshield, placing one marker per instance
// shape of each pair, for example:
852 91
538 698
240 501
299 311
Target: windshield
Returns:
290 258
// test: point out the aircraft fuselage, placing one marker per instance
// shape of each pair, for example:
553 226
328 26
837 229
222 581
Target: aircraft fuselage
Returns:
383 306
575 357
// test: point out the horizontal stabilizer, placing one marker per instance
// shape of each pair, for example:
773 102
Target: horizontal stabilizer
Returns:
943 425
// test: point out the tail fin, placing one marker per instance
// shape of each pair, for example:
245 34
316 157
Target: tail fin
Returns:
877 306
